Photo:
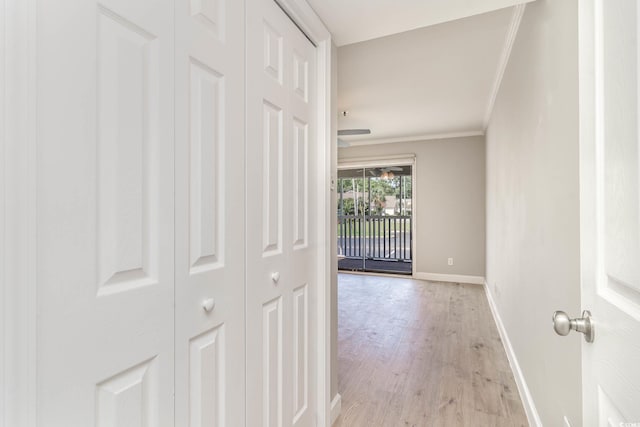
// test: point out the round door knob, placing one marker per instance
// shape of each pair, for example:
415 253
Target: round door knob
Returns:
275 277
561 323
208 304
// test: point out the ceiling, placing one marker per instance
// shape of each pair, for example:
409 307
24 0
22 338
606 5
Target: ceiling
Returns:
352 21
430 82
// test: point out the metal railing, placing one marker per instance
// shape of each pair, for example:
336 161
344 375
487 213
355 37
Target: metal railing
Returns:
375 237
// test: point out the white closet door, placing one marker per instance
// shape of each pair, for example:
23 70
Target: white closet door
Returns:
210 213
282 246
105 237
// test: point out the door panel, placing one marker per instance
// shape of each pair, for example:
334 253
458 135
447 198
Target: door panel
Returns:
207 378
300 352
127 180
281 197
128 398
610 210
272 179
300 184
209 254
618 119
105 213
272 360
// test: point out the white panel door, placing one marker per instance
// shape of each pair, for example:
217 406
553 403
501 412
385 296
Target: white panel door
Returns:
209 213
282 247
610 208
105 237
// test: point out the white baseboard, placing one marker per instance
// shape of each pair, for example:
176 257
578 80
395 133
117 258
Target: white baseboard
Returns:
336 407
525 395
455 278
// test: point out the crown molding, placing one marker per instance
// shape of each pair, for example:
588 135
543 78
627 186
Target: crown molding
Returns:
415 138
516 18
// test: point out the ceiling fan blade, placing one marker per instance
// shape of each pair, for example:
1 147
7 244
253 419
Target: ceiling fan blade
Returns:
343 144
346 132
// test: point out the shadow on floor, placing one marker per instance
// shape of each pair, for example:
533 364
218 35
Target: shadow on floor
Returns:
379 266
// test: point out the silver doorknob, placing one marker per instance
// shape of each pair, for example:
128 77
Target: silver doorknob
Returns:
563 324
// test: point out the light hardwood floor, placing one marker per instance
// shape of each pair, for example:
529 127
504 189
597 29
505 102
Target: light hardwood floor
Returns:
417 353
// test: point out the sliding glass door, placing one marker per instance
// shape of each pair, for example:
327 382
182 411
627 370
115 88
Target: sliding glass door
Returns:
374 219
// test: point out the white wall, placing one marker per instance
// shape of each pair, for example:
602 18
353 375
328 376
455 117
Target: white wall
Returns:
450 204
533 205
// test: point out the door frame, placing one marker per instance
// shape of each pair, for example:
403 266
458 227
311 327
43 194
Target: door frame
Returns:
310 24
384 161
2 208
18 251
18 212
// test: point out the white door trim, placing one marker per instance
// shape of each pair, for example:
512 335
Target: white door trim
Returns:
307 20
2 209
18 138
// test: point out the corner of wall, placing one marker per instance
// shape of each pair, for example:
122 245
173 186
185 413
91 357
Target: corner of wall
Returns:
523 389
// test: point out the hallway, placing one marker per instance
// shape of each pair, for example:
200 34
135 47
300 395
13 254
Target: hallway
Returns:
417 353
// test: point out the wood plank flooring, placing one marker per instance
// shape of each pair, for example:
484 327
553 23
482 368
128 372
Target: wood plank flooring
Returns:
417 353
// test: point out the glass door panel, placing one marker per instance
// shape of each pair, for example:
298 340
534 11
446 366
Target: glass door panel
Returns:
351 205
374 219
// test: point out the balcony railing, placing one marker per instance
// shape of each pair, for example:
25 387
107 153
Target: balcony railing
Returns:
375 237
